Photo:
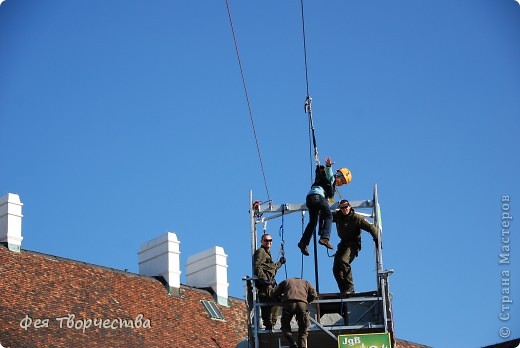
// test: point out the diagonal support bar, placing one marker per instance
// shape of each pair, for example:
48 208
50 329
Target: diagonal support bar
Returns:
324 329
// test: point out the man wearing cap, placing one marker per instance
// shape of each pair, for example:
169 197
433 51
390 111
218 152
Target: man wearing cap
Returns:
265 271
349 226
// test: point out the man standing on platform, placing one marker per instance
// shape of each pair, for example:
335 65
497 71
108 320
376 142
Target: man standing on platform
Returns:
265 271
349 225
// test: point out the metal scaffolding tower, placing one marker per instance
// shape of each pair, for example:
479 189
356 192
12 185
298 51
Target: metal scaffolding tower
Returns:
332 314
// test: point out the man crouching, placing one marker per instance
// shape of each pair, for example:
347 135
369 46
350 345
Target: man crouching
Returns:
295 294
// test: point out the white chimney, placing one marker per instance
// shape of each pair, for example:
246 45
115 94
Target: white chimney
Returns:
208 269
161 257
11 221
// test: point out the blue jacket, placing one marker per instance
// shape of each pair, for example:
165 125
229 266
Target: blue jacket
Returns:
318 190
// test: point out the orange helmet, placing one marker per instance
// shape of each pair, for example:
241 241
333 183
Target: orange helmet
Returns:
345 174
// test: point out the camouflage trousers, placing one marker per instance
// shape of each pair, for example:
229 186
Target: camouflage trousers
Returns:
298 309
342 270
269 314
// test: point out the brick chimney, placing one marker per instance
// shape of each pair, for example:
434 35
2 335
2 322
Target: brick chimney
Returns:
11 221
161 257
208 269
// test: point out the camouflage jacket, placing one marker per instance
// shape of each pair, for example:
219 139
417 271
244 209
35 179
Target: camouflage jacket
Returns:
265 268
349 228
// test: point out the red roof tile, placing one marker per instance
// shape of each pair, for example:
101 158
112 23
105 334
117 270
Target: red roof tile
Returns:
49 301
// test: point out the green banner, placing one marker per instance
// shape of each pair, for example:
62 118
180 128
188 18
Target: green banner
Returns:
376 340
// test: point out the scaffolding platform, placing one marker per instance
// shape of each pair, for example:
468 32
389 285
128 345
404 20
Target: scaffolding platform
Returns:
331 314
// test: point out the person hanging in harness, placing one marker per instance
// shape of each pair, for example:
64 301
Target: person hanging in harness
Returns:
349 225
265 271
317 203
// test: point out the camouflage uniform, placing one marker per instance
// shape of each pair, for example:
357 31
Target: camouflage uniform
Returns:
265 271
295 294
349 231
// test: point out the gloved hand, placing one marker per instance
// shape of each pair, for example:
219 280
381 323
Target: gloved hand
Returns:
282 260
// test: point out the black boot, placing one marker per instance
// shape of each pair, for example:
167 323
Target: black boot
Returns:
303 248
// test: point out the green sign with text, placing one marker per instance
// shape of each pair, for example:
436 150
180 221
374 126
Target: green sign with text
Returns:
377 340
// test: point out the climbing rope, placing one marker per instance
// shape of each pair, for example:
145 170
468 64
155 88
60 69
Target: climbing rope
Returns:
303 229
312 132
305 50
281 235
308 99
308 110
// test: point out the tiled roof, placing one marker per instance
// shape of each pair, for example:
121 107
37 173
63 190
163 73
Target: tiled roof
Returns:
406 344
54 302
507 344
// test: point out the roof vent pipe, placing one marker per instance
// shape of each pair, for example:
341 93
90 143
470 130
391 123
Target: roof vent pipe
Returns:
11 221
208 269
161 257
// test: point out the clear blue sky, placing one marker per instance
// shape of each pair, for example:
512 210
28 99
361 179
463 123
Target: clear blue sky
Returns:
122 120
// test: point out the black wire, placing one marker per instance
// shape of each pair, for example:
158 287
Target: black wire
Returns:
305 49
307 100
303 224
247 99
312 136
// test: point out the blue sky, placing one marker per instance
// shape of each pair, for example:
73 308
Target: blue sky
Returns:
122 120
